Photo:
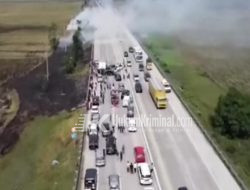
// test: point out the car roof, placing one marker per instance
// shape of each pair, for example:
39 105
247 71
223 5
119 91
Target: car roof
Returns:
139 149
144 168
90 172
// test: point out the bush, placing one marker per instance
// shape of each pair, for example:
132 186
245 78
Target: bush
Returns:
232 115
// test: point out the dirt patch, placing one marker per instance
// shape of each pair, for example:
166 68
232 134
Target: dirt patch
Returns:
38 97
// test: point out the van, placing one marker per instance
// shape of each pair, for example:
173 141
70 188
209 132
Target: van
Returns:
139 154
100 159
144 174
93 141
90 179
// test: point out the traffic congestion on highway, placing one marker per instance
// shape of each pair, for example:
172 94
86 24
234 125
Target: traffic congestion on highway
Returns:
136 135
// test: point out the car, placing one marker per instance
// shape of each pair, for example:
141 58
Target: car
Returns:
93 141
111 145
100 159
125 54
94 109
109 71
95 117
106 129
144 174
114 182
115 100
129 63
121 87
124 93
93 129
118 77
147 76
125 101
136 77
182 188
90 179
166 86
130 110
99 78
132 125
141 67
131 50
139 154
138 87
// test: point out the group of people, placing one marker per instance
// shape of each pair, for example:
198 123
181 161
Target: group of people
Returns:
131 167
121 128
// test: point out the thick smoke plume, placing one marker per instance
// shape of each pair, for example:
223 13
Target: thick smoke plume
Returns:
203 21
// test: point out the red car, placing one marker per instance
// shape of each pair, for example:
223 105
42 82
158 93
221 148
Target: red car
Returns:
139 154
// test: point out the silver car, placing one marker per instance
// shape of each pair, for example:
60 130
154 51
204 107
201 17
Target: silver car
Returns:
114 182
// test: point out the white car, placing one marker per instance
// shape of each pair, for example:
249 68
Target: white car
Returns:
166 85
95 109
93 129
99 78
132 125
144 174
136 77
125 101
129 64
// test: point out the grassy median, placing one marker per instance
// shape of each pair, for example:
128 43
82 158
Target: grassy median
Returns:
200 82
29 165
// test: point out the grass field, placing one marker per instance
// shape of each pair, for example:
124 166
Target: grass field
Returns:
201 81
45 139
24 25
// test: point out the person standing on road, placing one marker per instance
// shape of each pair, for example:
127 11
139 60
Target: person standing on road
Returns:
135 166
121 156
123 149
131 167
128 165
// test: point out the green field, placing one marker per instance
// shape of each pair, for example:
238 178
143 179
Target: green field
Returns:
45 139
24 25
200 83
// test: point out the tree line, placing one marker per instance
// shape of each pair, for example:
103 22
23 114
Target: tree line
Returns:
232 115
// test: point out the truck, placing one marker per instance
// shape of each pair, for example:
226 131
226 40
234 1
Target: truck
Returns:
101 67
158 95
138 54
149 64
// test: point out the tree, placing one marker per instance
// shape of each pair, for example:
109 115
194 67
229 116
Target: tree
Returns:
232 115
53 39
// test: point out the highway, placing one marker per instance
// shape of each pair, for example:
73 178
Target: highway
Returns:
180 153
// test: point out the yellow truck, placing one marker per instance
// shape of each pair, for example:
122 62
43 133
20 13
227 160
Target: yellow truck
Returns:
158 95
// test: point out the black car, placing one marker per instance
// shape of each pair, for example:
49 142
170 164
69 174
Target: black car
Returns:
109 71
138 87
147 76
182 188
125 54
131 50
124 93
118 77
111 145
141 67
90 179
93 141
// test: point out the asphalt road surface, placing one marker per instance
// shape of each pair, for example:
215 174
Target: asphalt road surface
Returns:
180 153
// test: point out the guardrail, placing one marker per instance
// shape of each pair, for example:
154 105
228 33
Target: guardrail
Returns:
196 120
79 170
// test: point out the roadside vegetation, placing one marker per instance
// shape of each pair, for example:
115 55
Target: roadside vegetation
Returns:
203 76
29 166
